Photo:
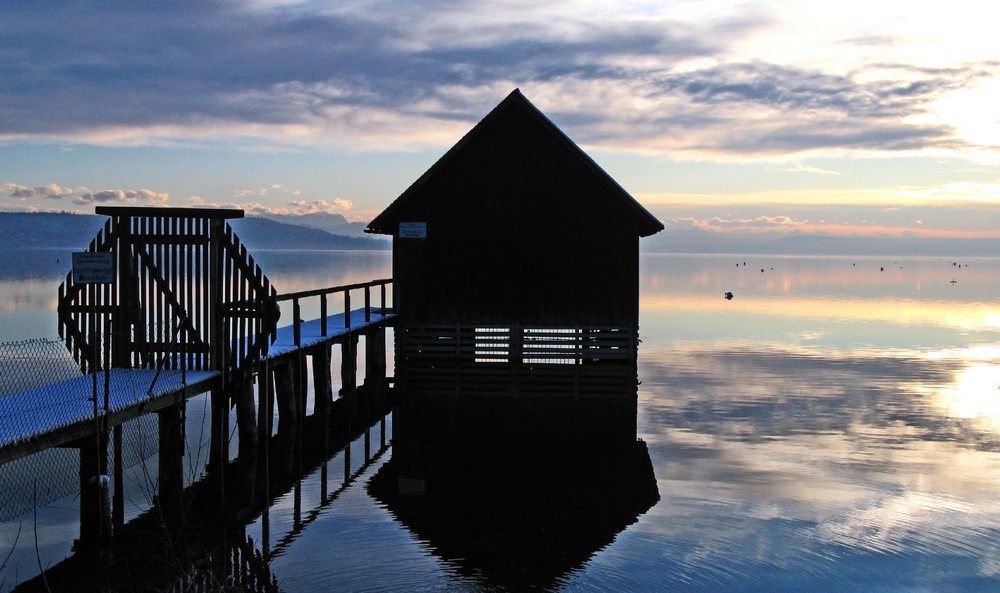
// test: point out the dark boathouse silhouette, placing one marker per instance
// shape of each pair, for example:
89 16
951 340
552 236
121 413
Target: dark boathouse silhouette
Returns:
516 250
516 287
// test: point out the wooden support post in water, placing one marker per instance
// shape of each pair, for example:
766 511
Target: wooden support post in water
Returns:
302 393
285 384
286 393
246 421
375 385
118 504
219 451
348 375
171 468
265 405
265 427
95 508
322 392
246 461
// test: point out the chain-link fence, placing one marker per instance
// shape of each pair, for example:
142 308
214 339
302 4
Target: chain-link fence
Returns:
40 367
33 363
44 477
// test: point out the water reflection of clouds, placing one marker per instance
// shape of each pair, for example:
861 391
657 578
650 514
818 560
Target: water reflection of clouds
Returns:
16 295
793 391
811 458
673 309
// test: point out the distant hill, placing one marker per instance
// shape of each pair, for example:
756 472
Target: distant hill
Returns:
699 241
66 232
56 230
263 233
40 244
334 224
48 230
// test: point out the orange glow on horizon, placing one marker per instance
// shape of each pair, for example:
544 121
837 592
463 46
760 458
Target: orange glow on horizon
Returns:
845 230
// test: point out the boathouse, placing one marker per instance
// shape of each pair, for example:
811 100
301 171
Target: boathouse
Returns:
514 249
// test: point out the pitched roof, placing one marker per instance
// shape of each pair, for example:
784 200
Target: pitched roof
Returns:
516 103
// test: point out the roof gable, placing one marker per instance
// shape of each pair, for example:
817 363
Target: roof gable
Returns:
516 117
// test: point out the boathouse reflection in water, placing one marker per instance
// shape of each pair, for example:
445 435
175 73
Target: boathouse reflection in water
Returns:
517 492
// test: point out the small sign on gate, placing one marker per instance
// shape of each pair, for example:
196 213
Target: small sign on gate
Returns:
94 268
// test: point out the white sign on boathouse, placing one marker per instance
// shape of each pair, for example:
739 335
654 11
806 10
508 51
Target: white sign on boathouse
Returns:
413 230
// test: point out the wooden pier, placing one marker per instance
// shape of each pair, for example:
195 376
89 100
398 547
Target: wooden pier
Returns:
60 414
188 311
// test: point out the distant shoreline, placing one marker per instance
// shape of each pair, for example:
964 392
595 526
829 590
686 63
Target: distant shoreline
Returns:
832 246
73 232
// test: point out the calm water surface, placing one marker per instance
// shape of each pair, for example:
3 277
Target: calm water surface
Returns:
833 427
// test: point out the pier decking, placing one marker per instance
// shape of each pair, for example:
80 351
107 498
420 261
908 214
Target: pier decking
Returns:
58 414
61 413
314 332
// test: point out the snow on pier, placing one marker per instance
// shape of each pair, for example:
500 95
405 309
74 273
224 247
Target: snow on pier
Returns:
60 413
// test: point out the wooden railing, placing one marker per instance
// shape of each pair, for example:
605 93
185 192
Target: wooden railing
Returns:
324 294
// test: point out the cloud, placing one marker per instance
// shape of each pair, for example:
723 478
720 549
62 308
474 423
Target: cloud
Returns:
335 205
241 193
954 219
274 187
295 207
52 191
752 224
799 168
362 76
110 196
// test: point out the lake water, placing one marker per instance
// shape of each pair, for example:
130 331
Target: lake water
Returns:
835 426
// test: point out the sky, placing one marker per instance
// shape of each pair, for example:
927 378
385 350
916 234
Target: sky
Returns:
849 117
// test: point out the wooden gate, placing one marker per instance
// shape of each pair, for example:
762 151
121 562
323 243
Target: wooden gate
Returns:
187 294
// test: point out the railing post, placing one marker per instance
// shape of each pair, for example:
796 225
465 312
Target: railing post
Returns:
322 314
297 319
368 303
347 307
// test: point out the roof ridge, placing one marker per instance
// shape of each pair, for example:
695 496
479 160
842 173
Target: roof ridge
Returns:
646 222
